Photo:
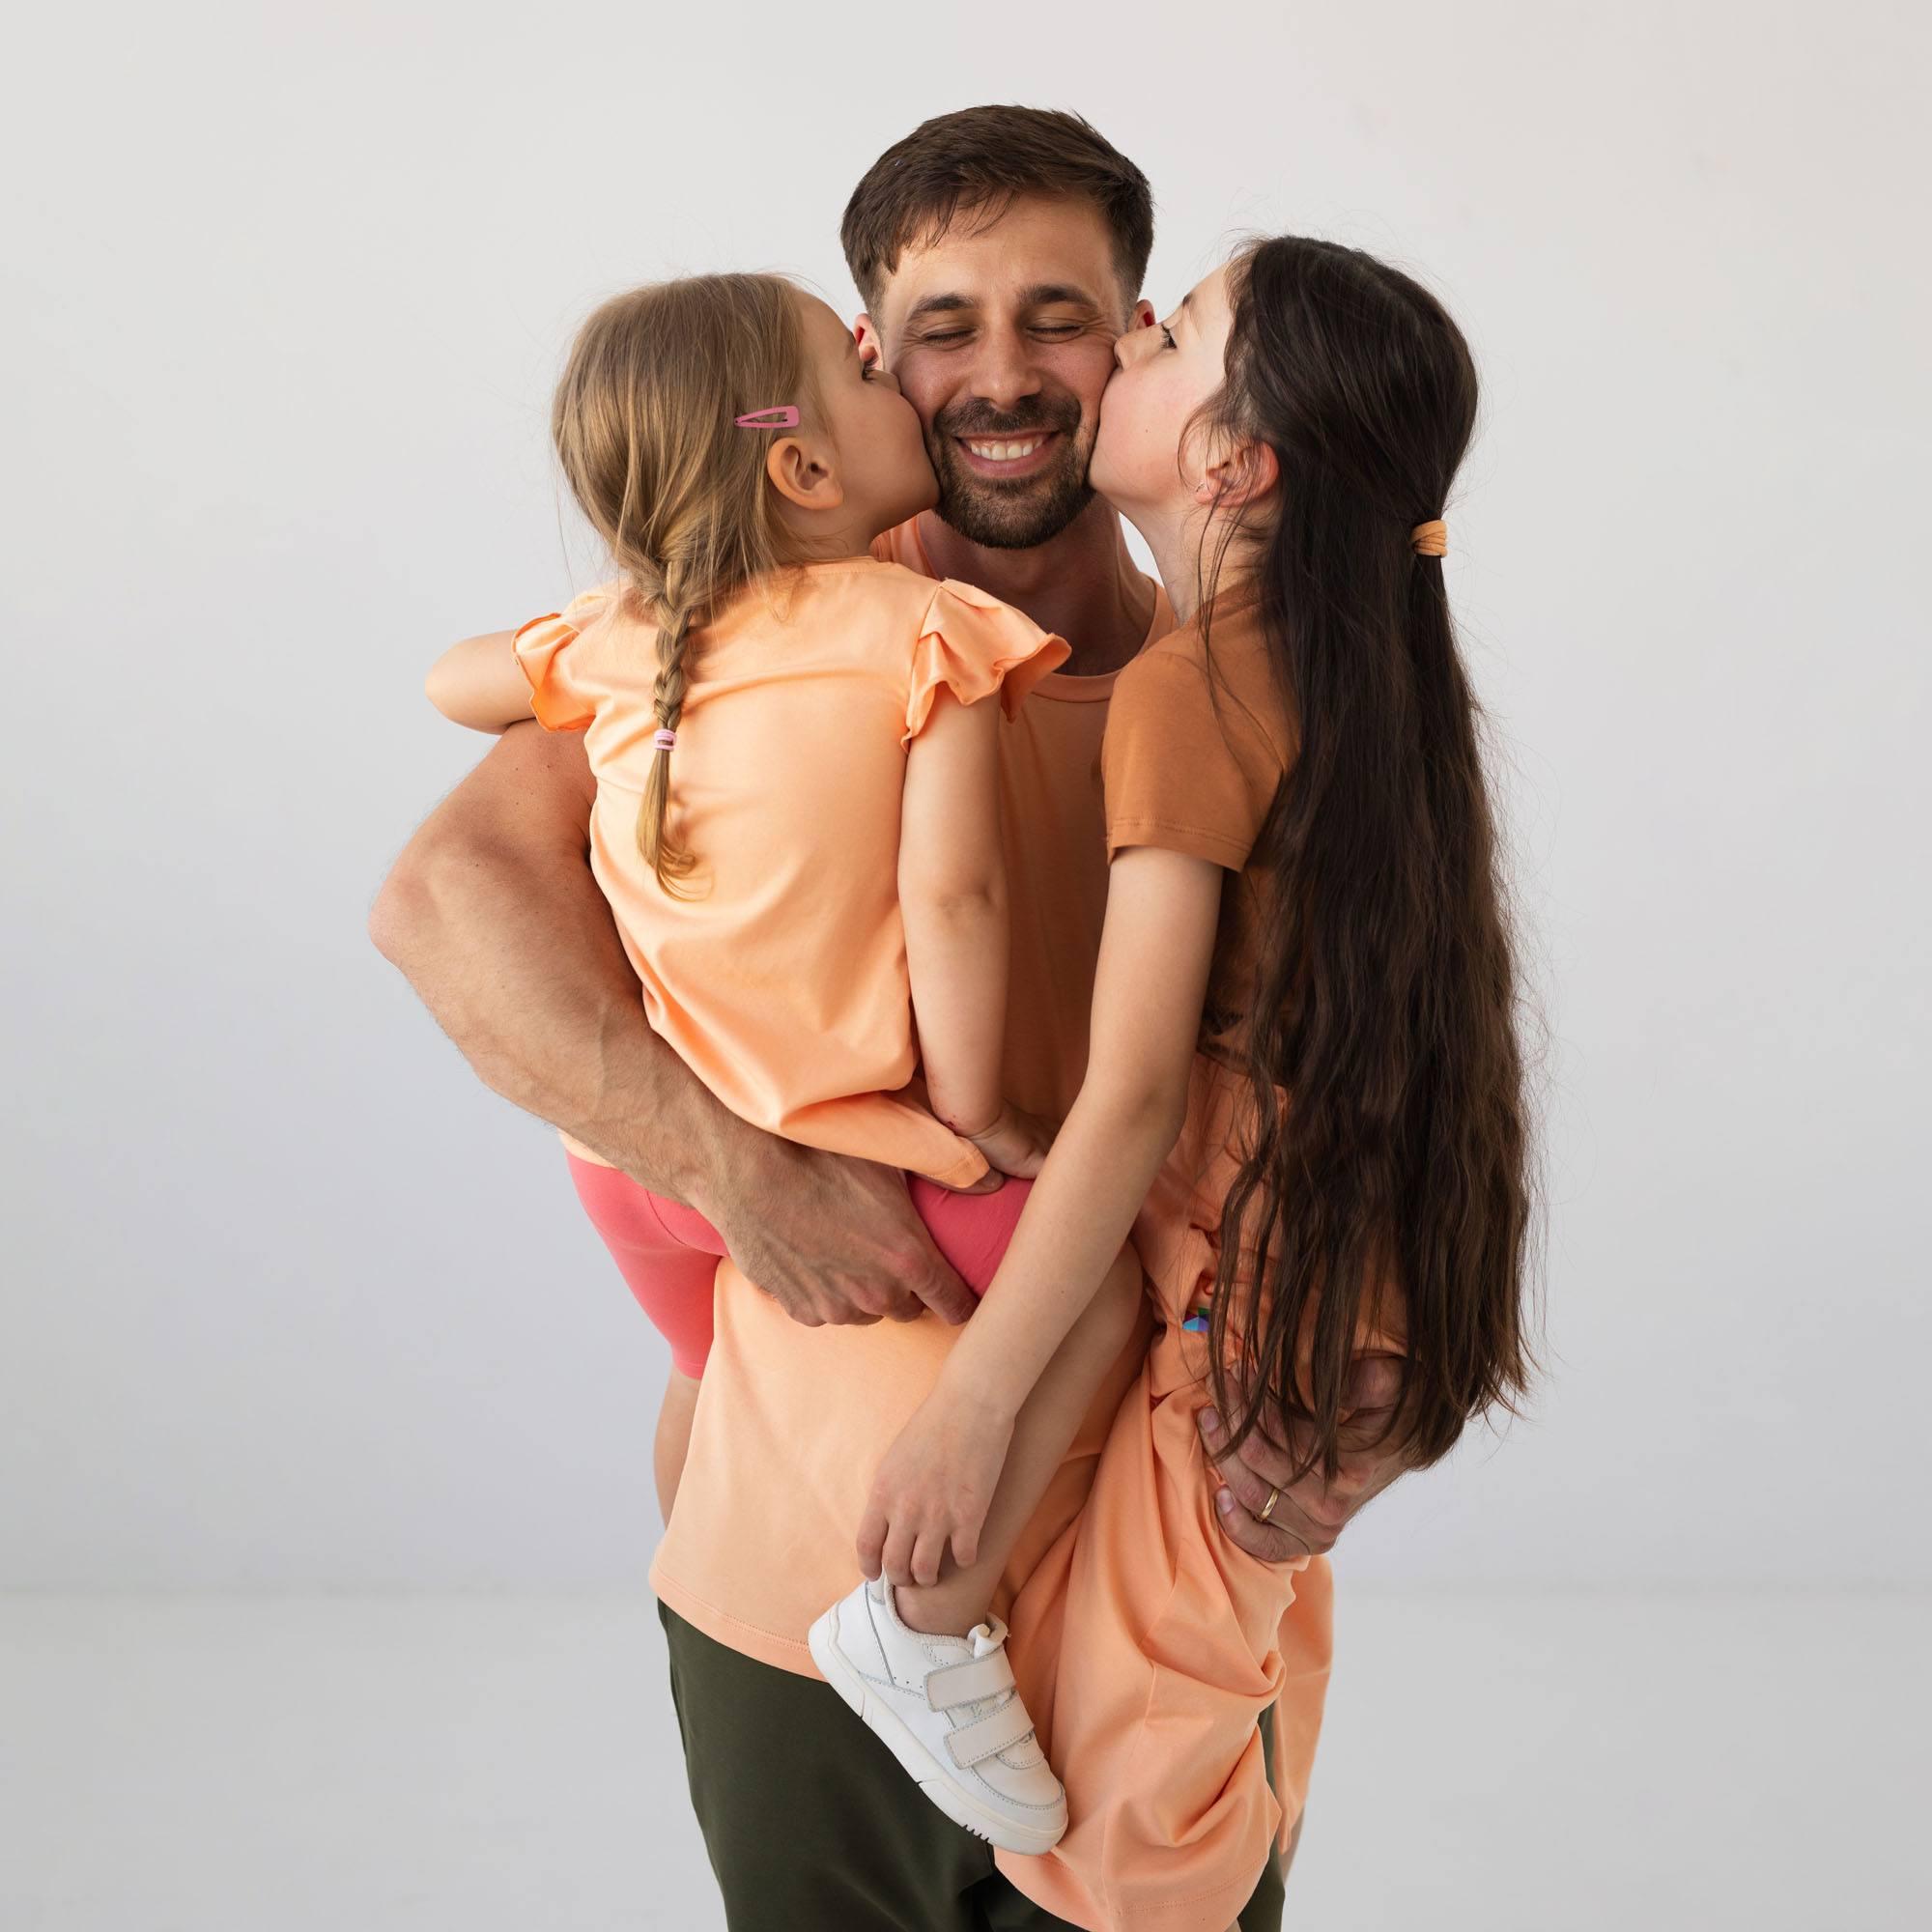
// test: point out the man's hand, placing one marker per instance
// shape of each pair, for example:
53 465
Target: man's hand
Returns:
831 1239
1308 1514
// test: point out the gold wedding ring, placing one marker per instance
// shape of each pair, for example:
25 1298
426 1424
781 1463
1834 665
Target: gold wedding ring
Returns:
1266 1510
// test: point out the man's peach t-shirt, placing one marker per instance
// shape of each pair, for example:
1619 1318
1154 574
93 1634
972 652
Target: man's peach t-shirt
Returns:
779 975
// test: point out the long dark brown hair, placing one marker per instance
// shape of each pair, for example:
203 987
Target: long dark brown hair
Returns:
1393 1190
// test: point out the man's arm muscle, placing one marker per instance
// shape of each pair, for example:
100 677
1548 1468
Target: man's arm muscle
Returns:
493 917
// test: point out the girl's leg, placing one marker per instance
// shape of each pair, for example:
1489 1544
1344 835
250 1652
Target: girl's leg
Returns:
913 1662
674 1440
669 1256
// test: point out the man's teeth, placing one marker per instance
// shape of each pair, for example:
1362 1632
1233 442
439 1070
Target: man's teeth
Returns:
1004 452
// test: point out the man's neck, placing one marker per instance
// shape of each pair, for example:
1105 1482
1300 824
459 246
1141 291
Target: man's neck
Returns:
1081 583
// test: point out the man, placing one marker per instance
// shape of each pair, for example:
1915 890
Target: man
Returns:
1000 252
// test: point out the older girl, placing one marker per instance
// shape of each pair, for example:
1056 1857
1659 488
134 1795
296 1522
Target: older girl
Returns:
1304 1092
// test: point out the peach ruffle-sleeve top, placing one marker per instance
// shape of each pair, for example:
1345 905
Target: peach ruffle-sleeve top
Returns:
780 980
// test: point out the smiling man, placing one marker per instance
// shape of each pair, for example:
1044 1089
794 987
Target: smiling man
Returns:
995 294
1000 370
999 252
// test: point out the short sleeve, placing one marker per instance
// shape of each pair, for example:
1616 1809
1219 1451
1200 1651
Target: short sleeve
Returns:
543 649
1180 771
973 645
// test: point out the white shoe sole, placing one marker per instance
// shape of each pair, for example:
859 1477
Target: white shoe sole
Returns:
928 1772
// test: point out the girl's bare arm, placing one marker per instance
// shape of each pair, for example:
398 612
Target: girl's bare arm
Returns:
478 683
952 899
935 1485
1163 910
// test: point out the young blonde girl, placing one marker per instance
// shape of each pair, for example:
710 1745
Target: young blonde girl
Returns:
797 826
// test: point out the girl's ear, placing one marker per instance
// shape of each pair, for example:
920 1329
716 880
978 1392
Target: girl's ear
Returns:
1244 474
802 473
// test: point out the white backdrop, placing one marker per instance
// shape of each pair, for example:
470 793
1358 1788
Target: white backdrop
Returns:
292 1302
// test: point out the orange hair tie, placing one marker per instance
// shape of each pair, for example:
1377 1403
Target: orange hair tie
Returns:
1430 539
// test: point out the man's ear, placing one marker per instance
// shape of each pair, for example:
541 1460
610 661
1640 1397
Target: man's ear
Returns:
1142 315
871 344
1243 475
802 473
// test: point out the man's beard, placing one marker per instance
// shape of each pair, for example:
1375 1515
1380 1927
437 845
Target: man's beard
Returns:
1027 511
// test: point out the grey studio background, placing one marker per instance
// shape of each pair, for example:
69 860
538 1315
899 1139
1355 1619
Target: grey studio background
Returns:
326 1508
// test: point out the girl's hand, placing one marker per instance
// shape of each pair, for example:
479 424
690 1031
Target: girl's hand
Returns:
1015 1144
934 1487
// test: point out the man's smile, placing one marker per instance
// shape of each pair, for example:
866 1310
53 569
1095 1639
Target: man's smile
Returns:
1010 455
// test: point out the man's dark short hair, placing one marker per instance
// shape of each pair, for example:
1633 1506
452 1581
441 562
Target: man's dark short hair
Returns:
974 163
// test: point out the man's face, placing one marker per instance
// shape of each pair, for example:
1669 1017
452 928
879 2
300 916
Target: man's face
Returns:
1003 339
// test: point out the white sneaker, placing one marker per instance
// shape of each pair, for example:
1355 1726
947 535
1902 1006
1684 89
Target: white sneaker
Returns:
948 1709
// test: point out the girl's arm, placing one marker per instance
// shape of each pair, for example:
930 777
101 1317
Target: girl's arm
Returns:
938 1479
953 900
478 683
1163 911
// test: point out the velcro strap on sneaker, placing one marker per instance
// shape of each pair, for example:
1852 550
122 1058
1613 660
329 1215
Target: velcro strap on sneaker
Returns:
985 1737
955 1683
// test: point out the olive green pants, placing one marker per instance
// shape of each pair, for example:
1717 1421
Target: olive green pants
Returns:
813 1827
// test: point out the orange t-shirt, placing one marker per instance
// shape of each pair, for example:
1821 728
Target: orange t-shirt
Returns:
780 978
1198 744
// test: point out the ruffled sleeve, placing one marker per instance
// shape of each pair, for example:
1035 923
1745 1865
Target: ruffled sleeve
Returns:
973 645
592 603
543 652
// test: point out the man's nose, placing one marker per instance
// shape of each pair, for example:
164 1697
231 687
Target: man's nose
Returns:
1005 374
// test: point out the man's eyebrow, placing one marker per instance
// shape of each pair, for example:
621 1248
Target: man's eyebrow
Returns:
943 304
1043 293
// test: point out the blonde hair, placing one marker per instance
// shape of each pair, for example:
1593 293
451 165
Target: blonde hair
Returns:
643 423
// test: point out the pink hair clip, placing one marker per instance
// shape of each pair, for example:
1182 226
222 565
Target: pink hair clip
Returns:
665 740
780 416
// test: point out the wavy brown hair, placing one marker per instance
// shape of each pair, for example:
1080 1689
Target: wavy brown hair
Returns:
643 426
1394 1190
971 165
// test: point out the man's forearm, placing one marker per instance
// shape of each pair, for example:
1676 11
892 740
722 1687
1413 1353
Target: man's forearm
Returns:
493 916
